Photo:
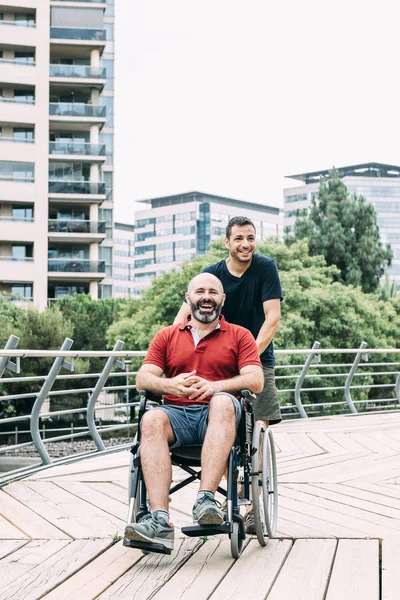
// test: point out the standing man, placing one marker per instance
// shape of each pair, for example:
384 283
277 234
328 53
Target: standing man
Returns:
253 297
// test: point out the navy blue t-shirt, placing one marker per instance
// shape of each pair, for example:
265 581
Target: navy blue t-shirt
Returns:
245 295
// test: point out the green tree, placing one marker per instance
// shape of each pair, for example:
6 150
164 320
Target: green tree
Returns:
344 230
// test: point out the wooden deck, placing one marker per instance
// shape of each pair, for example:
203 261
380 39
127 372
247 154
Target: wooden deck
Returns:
338 539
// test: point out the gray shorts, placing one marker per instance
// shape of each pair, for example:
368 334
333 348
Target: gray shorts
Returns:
266 407
189 423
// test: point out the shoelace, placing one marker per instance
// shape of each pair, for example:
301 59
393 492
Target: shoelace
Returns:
206 497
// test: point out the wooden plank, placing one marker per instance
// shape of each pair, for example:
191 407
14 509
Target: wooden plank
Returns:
9 532
253 575
390 569
16 566
32 525
9 546
356 498
368 523
55 569
99 523
355 574
95 497
149 575
305 574
98 575
95 463
201 574
72 521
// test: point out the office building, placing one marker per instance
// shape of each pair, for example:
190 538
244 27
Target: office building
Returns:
171 229
56 148
378 183
124 261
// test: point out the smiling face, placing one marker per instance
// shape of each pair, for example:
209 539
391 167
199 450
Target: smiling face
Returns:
241 243
205 297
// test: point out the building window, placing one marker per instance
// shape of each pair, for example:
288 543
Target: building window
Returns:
16 171
22 289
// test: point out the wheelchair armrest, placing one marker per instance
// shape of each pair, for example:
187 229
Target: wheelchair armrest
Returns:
248 395
144 395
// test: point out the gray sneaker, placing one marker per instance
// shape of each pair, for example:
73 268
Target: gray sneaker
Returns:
206 511
153 529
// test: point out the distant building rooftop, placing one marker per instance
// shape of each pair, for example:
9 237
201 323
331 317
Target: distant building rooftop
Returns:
193 196
365 170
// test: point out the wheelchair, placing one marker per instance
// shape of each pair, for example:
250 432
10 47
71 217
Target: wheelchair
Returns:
251 464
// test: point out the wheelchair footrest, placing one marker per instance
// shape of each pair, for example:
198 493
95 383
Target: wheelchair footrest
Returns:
147 546
200 530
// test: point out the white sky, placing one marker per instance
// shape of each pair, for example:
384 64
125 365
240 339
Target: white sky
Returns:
227 96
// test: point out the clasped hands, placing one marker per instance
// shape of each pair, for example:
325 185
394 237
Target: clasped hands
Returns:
190 385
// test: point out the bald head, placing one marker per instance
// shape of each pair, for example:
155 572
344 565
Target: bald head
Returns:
205 279
205 297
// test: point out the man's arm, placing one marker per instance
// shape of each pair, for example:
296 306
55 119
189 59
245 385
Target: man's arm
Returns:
272 311
150 378
182 313
250 377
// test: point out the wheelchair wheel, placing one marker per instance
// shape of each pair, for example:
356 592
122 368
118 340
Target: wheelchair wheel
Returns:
134 491
236 541
259 444
270 483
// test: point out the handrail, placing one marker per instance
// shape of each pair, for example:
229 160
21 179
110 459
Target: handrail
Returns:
292 387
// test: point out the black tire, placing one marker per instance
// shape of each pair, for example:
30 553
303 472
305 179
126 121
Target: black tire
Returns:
270 484
257 489
236 540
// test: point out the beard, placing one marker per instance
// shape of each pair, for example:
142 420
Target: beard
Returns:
205 317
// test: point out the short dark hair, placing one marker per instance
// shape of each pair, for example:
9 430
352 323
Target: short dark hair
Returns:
240 222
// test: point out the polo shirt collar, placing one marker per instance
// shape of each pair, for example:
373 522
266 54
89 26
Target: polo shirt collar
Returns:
186 323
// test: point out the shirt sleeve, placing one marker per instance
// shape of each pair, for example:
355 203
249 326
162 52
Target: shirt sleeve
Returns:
156 354
247 349
271 286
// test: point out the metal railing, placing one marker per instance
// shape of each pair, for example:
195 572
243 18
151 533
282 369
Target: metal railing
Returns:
85 71
17 140
76 109
305 384
83 148
18 61
77 33
18 99
76 226
18 23
76 187
71 265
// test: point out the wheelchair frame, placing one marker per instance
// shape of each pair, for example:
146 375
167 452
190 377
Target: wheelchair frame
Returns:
253 451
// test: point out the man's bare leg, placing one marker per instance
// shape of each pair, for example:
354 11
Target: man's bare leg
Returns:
156 434
220 435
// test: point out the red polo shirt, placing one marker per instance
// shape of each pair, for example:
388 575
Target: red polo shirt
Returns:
219 355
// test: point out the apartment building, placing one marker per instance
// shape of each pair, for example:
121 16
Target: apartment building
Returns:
171 229
56 148
378 183
124 261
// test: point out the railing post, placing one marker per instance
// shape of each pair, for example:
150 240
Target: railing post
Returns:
41 397
5 362
350 376
96 392
397 388
300 380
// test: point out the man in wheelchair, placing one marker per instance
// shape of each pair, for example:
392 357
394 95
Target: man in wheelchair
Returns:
199 366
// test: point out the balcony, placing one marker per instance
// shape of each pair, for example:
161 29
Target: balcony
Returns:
18 23
76 226
81 34
17 140
78 71
76 269
77 112
18 100
77 187
76 231
89 1
82 149
16 258
15 61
